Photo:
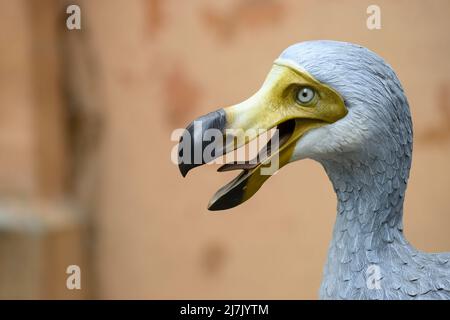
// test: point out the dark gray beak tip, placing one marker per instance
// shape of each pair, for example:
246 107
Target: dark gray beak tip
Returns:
192 142
230 195
185 168
216 207
223 204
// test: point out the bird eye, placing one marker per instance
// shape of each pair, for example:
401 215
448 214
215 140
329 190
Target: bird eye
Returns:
305 95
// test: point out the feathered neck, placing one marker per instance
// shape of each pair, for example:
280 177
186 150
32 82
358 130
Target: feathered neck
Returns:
372 191
370 196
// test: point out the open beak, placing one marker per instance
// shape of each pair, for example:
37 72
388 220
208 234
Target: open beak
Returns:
273 106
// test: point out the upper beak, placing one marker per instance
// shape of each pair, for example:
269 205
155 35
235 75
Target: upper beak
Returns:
273 106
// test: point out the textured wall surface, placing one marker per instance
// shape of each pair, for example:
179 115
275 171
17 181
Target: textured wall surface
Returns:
139 69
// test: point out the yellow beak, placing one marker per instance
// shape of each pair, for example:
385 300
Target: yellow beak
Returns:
275 105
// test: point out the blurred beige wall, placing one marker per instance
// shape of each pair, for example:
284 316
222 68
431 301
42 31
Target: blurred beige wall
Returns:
139 69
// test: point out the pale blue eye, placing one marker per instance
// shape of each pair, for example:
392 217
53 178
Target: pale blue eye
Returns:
305 95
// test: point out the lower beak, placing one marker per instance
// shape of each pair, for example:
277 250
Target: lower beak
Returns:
275 155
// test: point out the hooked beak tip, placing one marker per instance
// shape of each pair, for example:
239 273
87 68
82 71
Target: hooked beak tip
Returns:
184 169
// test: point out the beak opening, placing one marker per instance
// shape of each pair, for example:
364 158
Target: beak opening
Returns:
254 172
274 155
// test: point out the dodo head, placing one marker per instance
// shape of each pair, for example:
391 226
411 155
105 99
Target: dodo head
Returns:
329 100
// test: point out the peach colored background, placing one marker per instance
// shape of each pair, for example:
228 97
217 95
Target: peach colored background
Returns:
139 69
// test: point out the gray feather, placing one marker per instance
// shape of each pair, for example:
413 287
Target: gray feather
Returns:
370 180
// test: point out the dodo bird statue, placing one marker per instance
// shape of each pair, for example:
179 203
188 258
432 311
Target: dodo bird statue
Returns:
342 105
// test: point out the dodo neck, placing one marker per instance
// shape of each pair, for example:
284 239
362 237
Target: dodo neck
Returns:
370 195
369 219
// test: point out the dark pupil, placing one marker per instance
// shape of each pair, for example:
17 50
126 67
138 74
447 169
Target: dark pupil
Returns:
304 94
